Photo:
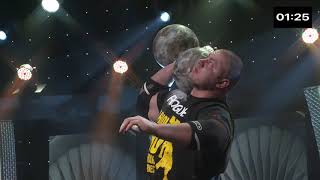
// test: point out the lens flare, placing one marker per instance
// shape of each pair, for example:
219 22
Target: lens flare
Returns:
120 66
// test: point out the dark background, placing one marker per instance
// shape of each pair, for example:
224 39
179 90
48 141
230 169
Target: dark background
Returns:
73 51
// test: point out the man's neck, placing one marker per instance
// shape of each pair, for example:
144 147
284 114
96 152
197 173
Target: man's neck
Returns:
207 93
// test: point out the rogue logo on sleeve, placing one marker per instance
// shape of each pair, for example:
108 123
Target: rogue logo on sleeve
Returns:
174 103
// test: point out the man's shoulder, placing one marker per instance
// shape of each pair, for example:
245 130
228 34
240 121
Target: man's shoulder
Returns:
216 111
212 109
177 94
210 104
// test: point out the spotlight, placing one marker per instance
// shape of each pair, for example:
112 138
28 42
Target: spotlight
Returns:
3 35
120 66
25 72
310 35
165 17
50 5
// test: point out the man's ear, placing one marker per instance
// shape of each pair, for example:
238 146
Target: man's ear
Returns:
224 83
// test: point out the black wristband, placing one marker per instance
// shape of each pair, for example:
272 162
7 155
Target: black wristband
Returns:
151 87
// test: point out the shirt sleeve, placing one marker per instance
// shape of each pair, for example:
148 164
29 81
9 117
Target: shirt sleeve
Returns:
212 134
213 129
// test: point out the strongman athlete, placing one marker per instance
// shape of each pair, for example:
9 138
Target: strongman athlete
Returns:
190 133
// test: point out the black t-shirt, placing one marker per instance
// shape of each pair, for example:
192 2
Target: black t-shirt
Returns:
205 158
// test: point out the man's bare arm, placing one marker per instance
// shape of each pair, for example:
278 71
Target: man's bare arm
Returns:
164 75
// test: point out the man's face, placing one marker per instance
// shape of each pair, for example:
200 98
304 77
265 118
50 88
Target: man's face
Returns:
210 72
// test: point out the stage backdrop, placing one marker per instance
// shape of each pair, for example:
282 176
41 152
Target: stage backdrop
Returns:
7 151
313 99
264 148
77 157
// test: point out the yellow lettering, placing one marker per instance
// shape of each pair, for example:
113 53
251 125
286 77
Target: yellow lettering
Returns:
150 168
155 144
173 120
150 159
161 116
163 119
166 149
166 159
